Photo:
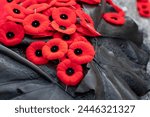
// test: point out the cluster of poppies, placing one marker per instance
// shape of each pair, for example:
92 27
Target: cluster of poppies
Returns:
62 20
143 7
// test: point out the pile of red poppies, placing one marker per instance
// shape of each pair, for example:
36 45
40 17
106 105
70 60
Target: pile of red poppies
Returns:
64 21
143 7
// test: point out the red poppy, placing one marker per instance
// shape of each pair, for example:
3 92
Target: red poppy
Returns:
144 8
11 33
34 53
69 73
81 52
64 29
55 49
117 8
67 38
114 18
91 1
15 10
62 3
36 23
64 15
48 13
35 8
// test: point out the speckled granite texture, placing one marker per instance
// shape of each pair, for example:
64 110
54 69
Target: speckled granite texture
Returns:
129 6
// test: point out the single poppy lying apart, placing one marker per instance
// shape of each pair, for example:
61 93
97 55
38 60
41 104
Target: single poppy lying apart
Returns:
34 53
144 8
69 73
116 18
11 36
55 49
81 54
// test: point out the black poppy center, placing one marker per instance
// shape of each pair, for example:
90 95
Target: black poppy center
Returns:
38 53
66 37
54 48
9 1
70 71
78 51
16 11
63 16
10 35
115 18
50 18
35 23
62 27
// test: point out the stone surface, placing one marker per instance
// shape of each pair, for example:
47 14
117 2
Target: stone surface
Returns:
129 6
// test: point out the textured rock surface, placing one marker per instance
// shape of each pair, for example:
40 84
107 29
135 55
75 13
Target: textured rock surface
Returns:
129 7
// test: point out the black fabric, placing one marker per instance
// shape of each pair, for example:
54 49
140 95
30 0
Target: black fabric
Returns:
118 70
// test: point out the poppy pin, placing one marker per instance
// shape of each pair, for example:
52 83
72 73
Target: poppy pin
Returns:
34 53
55 49
11 36
144 8
64 15
69 73
114 18
81 54
15 10
36 23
